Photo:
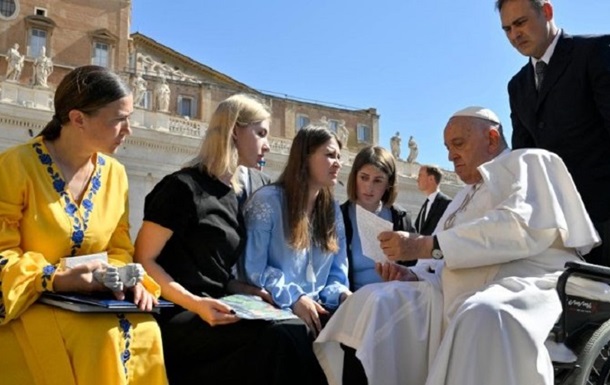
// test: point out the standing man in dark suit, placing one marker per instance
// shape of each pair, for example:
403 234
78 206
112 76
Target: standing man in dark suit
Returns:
560 101
428 180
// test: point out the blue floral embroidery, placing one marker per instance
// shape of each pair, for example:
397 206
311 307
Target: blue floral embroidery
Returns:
79 225
126 327
71 208
3 262
95 184
87 204
78 236
45 158
59 185
47 274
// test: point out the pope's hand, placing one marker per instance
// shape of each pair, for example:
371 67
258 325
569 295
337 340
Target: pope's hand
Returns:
404 246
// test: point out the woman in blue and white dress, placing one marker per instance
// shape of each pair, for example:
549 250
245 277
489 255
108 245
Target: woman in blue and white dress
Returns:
296 238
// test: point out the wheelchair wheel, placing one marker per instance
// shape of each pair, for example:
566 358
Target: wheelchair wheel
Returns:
593 359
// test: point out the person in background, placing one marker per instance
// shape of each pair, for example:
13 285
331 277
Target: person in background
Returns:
62 196
371 184
560 101
428 180
296 238
192 235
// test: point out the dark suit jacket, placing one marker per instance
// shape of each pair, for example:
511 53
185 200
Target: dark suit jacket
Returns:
436 212
570 116
257 179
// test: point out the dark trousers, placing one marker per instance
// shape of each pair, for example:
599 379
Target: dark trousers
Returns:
601 254
246 352
353 371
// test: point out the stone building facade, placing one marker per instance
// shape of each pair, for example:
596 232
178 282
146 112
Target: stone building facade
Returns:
176 94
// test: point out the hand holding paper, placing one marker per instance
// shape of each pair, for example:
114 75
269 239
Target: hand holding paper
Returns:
405 246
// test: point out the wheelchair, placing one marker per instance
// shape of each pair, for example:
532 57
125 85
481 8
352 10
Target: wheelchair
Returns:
584 329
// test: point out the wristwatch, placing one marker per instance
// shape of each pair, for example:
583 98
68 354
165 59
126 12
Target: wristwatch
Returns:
437 253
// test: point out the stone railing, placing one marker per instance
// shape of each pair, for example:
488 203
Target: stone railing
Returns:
280 145
26 96
187 127
161 121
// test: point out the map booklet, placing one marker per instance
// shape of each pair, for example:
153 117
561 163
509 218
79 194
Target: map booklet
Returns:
95 303
253 307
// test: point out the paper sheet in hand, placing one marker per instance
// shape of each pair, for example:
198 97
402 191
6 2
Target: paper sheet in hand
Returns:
369 226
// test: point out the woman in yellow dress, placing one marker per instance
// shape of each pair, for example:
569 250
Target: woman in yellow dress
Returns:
60 195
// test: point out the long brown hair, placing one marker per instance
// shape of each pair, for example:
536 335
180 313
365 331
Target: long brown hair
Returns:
322 230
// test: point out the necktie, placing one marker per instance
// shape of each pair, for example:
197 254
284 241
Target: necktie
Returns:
422 216
540 68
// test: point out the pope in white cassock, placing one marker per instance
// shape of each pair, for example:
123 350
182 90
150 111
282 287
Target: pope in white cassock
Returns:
481 301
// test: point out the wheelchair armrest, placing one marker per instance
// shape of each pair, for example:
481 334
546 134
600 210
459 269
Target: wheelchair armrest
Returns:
581 269
602 272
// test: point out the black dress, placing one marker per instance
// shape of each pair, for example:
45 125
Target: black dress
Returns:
208 238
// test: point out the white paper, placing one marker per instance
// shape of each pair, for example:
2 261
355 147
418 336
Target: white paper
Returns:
369 227
70 262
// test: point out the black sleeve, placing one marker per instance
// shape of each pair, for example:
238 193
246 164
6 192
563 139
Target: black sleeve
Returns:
349 233
600 78
170 204
521 137
402 222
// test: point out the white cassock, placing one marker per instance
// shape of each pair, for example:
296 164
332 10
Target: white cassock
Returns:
482 315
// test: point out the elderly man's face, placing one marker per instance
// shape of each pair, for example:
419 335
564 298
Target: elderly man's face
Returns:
469 143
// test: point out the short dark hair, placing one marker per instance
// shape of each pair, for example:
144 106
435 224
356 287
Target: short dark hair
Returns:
435 171
537 4
87 89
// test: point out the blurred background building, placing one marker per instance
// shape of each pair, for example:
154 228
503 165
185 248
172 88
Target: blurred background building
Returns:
175 95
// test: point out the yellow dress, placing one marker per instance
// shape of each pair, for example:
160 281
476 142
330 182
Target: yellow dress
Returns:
39 224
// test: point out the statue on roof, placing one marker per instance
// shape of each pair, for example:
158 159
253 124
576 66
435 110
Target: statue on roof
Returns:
43 67
342 133
413 151
395 145
162 95
138 87
14 63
